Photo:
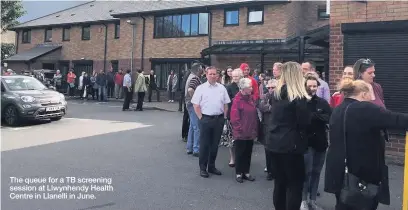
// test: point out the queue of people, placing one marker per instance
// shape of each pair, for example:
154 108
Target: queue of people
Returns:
290 113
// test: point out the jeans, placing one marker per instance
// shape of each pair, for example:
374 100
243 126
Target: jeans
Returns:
140 99
193 139
313 166
118 91
172 95
102 93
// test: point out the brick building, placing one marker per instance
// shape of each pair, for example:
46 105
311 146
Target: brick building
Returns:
379 31
169 35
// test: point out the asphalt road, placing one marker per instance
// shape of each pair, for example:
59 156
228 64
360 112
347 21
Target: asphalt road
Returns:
143 155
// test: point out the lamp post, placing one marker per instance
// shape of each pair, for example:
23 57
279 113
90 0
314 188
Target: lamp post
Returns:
130 22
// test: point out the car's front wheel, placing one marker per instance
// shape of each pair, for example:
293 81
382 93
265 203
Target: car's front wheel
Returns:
11 116
56 118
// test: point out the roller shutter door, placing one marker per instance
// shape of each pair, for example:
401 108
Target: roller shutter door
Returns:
389 50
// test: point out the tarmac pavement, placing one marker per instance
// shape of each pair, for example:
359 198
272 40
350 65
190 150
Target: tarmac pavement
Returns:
143 154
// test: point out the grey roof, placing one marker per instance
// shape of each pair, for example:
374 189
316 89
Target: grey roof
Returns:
103 10
162 5
34 52
88 12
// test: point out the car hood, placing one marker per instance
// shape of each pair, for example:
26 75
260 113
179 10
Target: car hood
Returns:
37 93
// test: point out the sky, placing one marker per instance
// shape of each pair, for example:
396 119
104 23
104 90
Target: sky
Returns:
35 9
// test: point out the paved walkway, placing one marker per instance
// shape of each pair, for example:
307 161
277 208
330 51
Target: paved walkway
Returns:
164 106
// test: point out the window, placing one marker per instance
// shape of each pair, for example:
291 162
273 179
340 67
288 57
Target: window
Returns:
117 30
48 35
66 33
86 32
322 14
115 65
203 23
184 25
26 37
231 17
255 15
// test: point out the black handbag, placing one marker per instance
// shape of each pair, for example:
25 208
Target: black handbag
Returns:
356 193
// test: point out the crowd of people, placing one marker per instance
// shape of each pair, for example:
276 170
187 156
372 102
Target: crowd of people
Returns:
301 126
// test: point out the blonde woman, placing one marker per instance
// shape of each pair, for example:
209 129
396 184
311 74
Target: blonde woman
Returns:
288 122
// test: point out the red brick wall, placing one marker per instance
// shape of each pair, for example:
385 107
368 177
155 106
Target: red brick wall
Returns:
350 12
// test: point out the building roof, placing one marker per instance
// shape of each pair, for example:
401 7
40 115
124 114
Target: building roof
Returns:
95 11
34 52
87 12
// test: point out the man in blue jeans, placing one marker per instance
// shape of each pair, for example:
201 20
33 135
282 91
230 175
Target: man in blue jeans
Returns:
193 81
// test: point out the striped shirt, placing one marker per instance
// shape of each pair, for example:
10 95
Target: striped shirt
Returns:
192 82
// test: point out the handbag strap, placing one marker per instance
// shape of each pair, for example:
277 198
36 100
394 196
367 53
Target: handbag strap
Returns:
345 137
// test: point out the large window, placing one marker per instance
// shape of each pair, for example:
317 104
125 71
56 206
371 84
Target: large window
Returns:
48 35
231 17
86 32
66 34
255 15
163 69
26 37
181 25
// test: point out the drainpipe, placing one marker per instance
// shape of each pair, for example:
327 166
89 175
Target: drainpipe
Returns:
209 33
106 47
143 42
301 49
17 36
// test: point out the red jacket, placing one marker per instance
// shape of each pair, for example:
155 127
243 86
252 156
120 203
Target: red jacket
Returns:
244 118
119 79
336 100
255 88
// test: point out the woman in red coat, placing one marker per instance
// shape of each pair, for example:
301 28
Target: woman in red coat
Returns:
244 123
338 97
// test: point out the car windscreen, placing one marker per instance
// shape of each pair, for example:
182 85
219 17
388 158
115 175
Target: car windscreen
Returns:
26 83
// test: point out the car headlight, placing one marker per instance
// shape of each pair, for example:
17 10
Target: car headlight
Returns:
62 97
27 99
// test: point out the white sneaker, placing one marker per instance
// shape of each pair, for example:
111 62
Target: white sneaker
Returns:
172 101
314 206
304 205
169 101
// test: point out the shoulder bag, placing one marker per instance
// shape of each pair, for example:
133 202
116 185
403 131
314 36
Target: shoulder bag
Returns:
356 193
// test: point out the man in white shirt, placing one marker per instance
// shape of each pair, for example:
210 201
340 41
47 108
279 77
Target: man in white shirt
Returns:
210 101
127 89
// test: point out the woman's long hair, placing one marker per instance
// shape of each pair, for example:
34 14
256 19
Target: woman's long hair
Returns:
292 77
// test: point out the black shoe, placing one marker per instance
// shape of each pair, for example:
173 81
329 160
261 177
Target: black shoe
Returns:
215 171
196 154
249 178
318 194
269 177
232 165
239 179
189 153
204 174
184 139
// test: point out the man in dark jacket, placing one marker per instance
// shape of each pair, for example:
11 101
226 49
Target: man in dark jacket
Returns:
102 82
111 83
317 141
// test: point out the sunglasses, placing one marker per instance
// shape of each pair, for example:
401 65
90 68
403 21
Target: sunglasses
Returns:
271 88
367 61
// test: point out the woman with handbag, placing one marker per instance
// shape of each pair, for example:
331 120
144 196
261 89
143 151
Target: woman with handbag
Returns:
355 164
244 122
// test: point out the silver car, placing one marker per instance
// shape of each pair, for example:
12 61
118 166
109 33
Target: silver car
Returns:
26 98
